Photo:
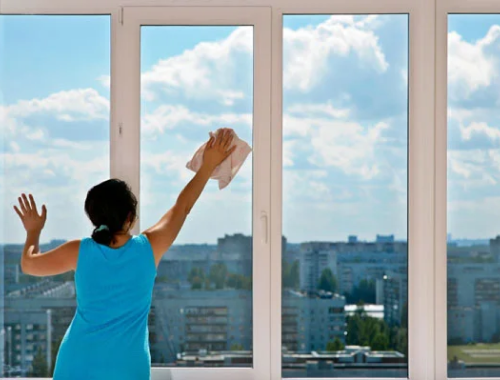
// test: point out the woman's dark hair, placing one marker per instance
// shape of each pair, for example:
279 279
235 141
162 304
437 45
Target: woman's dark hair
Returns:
109 205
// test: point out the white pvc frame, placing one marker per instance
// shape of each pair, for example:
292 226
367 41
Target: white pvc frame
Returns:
443 9
426 323
421 171
129 109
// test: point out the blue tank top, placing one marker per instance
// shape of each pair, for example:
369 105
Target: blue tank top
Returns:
108 336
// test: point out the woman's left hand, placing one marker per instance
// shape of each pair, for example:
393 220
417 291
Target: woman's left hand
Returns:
32 221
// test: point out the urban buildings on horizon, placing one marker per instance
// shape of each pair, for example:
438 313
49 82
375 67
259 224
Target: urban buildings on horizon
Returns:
187 327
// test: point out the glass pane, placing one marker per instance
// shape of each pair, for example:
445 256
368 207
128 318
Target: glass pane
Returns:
195 80
473 196
54 120
345 196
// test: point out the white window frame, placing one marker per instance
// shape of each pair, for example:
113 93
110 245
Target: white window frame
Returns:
443 9
425 234
129 109
421 361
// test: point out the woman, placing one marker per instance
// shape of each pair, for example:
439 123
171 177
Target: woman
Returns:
114 273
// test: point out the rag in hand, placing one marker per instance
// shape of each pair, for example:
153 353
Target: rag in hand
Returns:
227 170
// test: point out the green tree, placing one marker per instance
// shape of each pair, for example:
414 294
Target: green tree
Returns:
399 340
291 275
239 281
365 291
196 278
218 275
39 367
207 284
336 345
365 331
236 347
380 342
327 281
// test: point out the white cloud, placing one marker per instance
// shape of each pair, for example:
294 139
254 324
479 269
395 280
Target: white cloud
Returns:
470 67
289 148
203 71
474 168
326 109
168 163
404 75
346 145
73 105
167 117
307 49
210 70
71 144
105 81
475 128
306 184
58 178
14 146
60 161
69 106
459 114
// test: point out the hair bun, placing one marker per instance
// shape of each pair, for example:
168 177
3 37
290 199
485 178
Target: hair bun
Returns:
102 235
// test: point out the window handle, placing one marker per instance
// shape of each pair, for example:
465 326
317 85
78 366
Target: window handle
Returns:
263 219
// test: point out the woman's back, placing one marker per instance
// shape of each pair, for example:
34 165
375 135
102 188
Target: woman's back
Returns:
108 337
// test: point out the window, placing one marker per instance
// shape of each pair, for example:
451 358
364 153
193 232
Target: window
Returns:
473 244
355 178
54 121
196 78
345 122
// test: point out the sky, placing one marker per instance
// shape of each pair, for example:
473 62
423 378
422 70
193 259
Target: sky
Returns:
344 123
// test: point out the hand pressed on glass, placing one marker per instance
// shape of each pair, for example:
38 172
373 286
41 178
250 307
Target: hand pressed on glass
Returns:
32 221
59 260
217 149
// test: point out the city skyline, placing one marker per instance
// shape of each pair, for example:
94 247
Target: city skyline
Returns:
359 239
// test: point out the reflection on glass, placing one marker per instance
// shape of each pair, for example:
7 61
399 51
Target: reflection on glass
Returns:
55 130
195 80
473 196
345 293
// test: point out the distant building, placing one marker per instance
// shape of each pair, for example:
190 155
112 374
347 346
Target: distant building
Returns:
495 247
234 251
43 305
315 258
198 323
374 311
474 299
461 325
379 291
192 321
385 239
309 323
352 239
29 331
11 273
367 261
395 290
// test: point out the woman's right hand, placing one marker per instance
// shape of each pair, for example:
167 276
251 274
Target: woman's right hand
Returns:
217 149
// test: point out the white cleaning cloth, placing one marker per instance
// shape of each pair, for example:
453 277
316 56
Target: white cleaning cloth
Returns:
227 170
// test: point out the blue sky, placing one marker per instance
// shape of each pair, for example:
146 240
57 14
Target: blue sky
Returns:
345 122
